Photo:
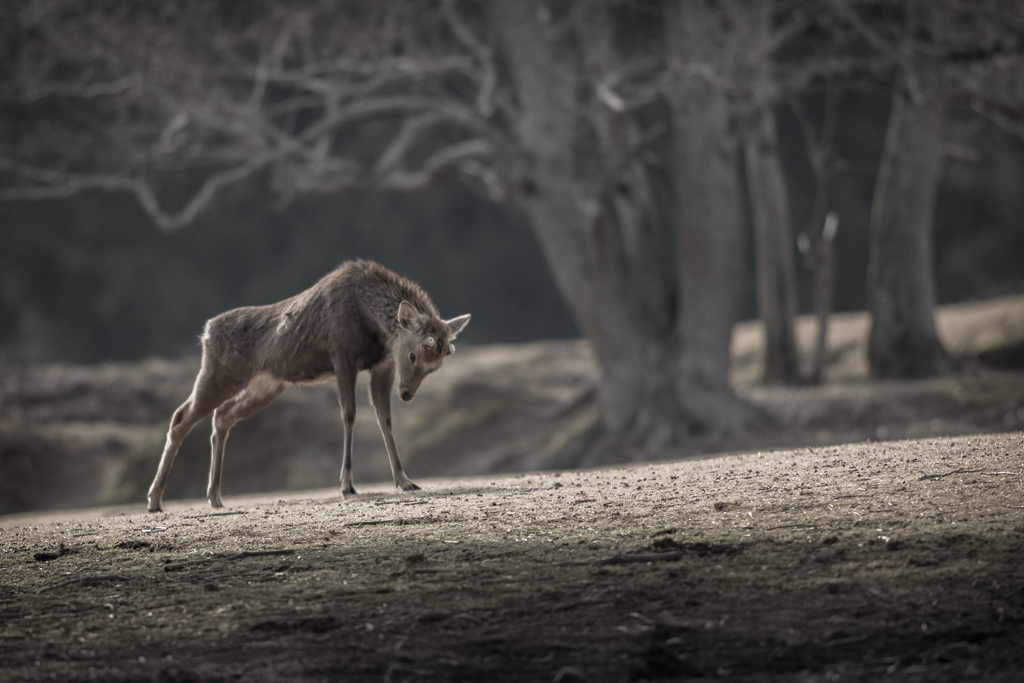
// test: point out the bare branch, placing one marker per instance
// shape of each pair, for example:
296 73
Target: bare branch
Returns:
709 75
1009 120
276 56
344 68
35 92
439 165
795 79
60 184
492 183
269 94
410 133
819 152
780 36
345 81
483 54
399 104
869 34
605 93
342 175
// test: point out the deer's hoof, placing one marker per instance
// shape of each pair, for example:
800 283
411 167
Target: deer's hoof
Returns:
348 491
409 486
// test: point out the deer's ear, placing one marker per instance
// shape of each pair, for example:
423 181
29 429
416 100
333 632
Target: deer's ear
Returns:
455 325
408 317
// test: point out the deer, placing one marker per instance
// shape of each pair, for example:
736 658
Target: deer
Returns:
361 316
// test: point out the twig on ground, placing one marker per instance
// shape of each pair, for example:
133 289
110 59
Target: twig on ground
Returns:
369 522
217 514
996 474
84 579
792 526
947 474
626 559
237 556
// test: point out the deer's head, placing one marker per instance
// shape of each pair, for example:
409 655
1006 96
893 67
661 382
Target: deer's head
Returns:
423 344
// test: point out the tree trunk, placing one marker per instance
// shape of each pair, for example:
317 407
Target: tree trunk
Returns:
823 257
709 239
624 187
637 363
901 290
662 379
773 247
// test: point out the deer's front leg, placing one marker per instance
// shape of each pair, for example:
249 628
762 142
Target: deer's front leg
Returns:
346 376
382 377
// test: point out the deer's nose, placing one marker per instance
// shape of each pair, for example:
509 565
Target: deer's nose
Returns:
406 395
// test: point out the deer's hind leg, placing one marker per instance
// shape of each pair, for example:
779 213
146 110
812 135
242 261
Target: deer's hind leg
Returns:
210 391
258 395
346 377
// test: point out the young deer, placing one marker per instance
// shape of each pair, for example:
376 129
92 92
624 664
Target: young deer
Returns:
361 316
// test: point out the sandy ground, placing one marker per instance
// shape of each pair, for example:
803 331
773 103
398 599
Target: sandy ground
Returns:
880 561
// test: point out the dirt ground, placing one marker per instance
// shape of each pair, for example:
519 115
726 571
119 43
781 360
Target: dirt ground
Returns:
880 561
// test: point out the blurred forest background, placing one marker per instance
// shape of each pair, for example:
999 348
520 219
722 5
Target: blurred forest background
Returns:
639 173
88 278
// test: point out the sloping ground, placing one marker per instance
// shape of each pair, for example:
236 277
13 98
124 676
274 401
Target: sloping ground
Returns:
886 561
74 436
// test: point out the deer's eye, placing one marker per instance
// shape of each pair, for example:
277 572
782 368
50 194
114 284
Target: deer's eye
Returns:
412 357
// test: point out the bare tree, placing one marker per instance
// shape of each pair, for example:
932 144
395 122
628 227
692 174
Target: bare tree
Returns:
230 91
901 290
925 44
705 57
534 103
817 241
776 279
820 255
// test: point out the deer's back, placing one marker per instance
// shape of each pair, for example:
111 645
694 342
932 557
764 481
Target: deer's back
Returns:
296 340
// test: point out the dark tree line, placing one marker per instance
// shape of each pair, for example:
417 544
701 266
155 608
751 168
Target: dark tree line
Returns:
620 129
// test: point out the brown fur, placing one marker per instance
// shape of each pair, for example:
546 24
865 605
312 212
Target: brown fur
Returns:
361 316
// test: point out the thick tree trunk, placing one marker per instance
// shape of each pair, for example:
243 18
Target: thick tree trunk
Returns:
709 251
901 290
709 238
624 187
773 248
664 356
637 363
